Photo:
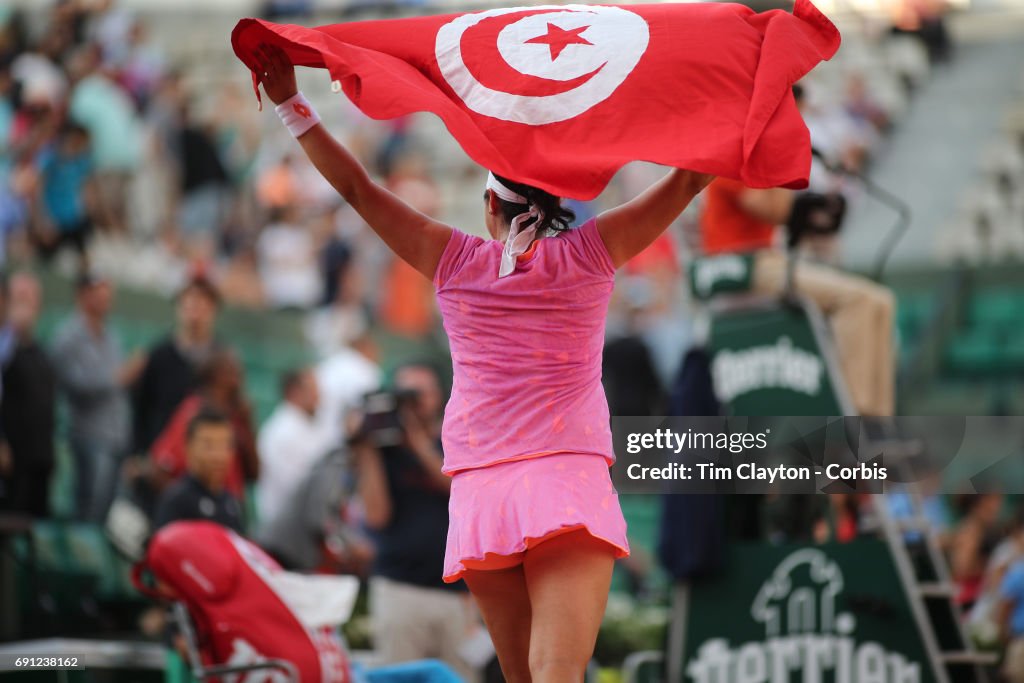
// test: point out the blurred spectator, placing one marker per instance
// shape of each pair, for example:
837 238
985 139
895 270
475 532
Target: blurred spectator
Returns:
291 442
794 518
141 66
288 261
68 193
846 517
7 342
43 84
279 186
933 507
93 375
317 529
407 304
838 136
111 30
106 111
239 279
238 133
342 318
407 300
1010 613
972 544
395 145
414 614
862 107
344 378
221 387
8 339
28 410
203 182
171 368
202 492
988 619
629 378
13 34
925 19
12 206
277 9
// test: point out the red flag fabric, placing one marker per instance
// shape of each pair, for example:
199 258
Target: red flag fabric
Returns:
560 97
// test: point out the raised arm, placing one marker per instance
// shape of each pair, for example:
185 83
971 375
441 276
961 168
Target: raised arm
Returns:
628 229
416 238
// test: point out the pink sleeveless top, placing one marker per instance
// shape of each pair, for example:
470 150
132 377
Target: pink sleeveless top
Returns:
526 349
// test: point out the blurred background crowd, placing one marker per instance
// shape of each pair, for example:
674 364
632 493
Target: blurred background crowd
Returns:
191 319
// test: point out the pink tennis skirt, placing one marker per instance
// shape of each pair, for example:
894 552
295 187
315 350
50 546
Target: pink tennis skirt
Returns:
497 513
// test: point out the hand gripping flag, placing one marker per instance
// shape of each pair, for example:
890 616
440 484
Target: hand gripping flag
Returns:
560 97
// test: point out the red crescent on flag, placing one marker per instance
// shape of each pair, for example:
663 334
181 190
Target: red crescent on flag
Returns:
483 60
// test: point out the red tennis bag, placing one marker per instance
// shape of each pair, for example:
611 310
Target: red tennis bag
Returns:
233 594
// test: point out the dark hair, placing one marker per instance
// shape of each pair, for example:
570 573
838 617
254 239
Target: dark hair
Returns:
291 379
204 285
73 128
556 217
207 415
87 279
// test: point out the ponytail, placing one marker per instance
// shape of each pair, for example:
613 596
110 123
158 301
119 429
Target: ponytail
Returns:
556 217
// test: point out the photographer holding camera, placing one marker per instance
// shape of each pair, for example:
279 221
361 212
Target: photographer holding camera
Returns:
414 614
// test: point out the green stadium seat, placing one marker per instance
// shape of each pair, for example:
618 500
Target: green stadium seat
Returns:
62 483
975 351
1014 351
913 313
50 545
57 577
91 552
177 670
996 308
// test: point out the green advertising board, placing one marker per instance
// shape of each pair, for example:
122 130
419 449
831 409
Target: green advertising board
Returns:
833 613
720 274
771 361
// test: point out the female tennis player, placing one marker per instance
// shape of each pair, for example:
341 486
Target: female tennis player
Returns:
535 523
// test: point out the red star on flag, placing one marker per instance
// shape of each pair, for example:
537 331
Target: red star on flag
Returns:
557 39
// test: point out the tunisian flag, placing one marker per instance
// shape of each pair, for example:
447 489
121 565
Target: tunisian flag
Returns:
560 97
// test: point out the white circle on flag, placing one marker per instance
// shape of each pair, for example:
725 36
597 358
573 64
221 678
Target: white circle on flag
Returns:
609 46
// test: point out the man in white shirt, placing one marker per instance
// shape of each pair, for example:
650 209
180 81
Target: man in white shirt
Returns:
291 441
289 266
345 378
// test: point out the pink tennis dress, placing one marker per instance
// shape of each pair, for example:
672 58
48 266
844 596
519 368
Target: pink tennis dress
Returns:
526 432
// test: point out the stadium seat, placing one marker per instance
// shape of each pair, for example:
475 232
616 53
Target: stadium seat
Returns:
91 552
996 309
974 351
913 312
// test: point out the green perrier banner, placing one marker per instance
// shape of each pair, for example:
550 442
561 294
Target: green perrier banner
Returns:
833 613
769 362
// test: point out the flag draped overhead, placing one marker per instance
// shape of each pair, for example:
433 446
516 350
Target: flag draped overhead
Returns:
560 97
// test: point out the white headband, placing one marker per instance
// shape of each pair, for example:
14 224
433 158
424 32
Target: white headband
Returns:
503 192
519 238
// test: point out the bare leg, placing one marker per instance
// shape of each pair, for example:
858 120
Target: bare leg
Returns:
568 578
505 605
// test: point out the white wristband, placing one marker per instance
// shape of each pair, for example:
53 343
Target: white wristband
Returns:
297 114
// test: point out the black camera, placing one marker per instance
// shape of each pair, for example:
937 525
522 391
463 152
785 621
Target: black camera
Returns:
382 422
815 213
